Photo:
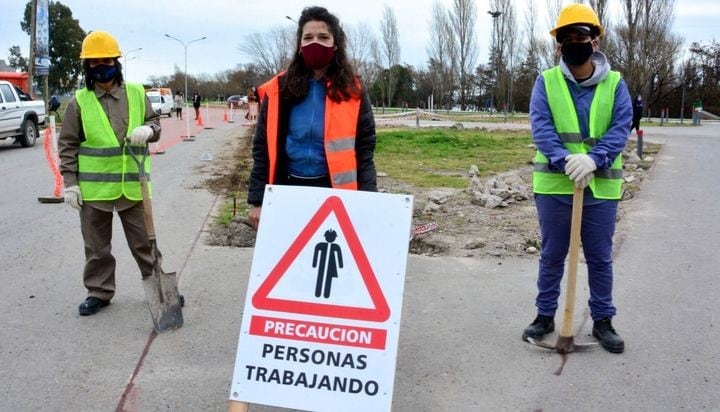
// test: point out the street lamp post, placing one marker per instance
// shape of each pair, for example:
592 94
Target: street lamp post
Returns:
185 46
125 58
494 15
682 99
653 86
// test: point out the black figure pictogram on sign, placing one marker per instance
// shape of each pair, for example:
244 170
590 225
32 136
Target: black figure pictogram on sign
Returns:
327 258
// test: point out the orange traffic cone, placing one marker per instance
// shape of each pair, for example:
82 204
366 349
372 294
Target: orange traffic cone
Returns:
225 118
199 120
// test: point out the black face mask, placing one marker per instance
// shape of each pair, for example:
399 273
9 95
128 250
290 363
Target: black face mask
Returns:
102 73
576 54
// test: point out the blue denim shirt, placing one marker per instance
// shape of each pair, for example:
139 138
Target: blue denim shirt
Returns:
305 144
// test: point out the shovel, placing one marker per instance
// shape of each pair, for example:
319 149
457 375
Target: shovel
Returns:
161 291
566 342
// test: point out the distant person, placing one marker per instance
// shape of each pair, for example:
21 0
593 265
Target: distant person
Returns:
100 178
253 99
252 95
196 99
697 108
637 113
316 125
179 103
54 104
580 115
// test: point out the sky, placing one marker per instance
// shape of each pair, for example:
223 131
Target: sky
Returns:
225 24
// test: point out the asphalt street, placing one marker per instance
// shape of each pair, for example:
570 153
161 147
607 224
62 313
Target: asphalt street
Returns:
460 346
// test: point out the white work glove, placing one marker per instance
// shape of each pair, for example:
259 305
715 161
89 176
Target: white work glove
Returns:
140 135
73 197
585 181
578 166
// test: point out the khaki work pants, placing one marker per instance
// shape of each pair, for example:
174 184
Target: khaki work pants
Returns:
96 227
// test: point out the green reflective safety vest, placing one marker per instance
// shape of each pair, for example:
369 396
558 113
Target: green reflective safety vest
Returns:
607 183
105 172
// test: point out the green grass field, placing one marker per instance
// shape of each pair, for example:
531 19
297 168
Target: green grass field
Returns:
442 157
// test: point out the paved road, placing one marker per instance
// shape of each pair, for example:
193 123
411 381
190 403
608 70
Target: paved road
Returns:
460 347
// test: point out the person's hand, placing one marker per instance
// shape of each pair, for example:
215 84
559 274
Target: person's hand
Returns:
140 135
254 216
73 197
578 166
585 181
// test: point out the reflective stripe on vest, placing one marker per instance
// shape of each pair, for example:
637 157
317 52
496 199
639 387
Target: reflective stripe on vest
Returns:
340 130
607 183
104 171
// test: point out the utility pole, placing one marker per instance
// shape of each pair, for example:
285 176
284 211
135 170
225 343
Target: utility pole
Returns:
682 99
509 89
31 60
494 15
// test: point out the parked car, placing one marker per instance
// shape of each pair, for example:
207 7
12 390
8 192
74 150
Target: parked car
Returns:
236 101
20 115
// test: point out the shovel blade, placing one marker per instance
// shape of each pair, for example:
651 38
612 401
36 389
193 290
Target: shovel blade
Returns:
163 300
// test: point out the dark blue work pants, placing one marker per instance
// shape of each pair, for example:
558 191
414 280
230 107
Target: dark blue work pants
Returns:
598 227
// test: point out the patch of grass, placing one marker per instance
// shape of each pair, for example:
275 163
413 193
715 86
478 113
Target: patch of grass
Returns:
225 215
234 204
442 157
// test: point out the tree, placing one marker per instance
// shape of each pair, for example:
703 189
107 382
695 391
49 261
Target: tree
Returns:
391 51
272 51
646 26
442 57
485 82
66 38
16 60
549 54
362 47
601 7
700 76
530 67
504 52
405 88
462 20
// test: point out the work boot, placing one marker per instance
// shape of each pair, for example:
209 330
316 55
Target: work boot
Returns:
604 332
540 326
92 305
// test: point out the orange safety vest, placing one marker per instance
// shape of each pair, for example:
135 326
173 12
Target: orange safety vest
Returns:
340 131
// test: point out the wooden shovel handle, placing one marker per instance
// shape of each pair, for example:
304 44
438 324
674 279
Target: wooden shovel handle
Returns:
147 208
237 406
573 254
147 203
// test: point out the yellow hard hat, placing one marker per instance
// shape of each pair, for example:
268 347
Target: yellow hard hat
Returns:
98 45
577 14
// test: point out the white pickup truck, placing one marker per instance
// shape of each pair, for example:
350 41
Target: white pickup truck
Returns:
20 115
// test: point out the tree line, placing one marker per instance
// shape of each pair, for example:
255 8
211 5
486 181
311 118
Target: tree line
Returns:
670 76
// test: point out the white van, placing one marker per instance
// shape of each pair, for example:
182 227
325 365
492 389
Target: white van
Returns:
162 101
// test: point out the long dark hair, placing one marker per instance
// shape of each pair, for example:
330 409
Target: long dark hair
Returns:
340 73
90 83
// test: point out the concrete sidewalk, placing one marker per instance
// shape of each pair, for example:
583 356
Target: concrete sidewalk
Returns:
460 346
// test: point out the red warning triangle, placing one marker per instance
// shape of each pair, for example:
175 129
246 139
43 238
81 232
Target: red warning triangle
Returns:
381 310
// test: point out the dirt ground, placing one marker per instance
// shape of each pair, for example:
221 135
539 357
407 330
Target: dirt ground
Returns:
447 222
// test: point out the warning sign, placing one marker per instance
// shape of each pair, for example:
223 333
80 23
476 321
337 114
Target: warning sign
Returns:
327 258
322 314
